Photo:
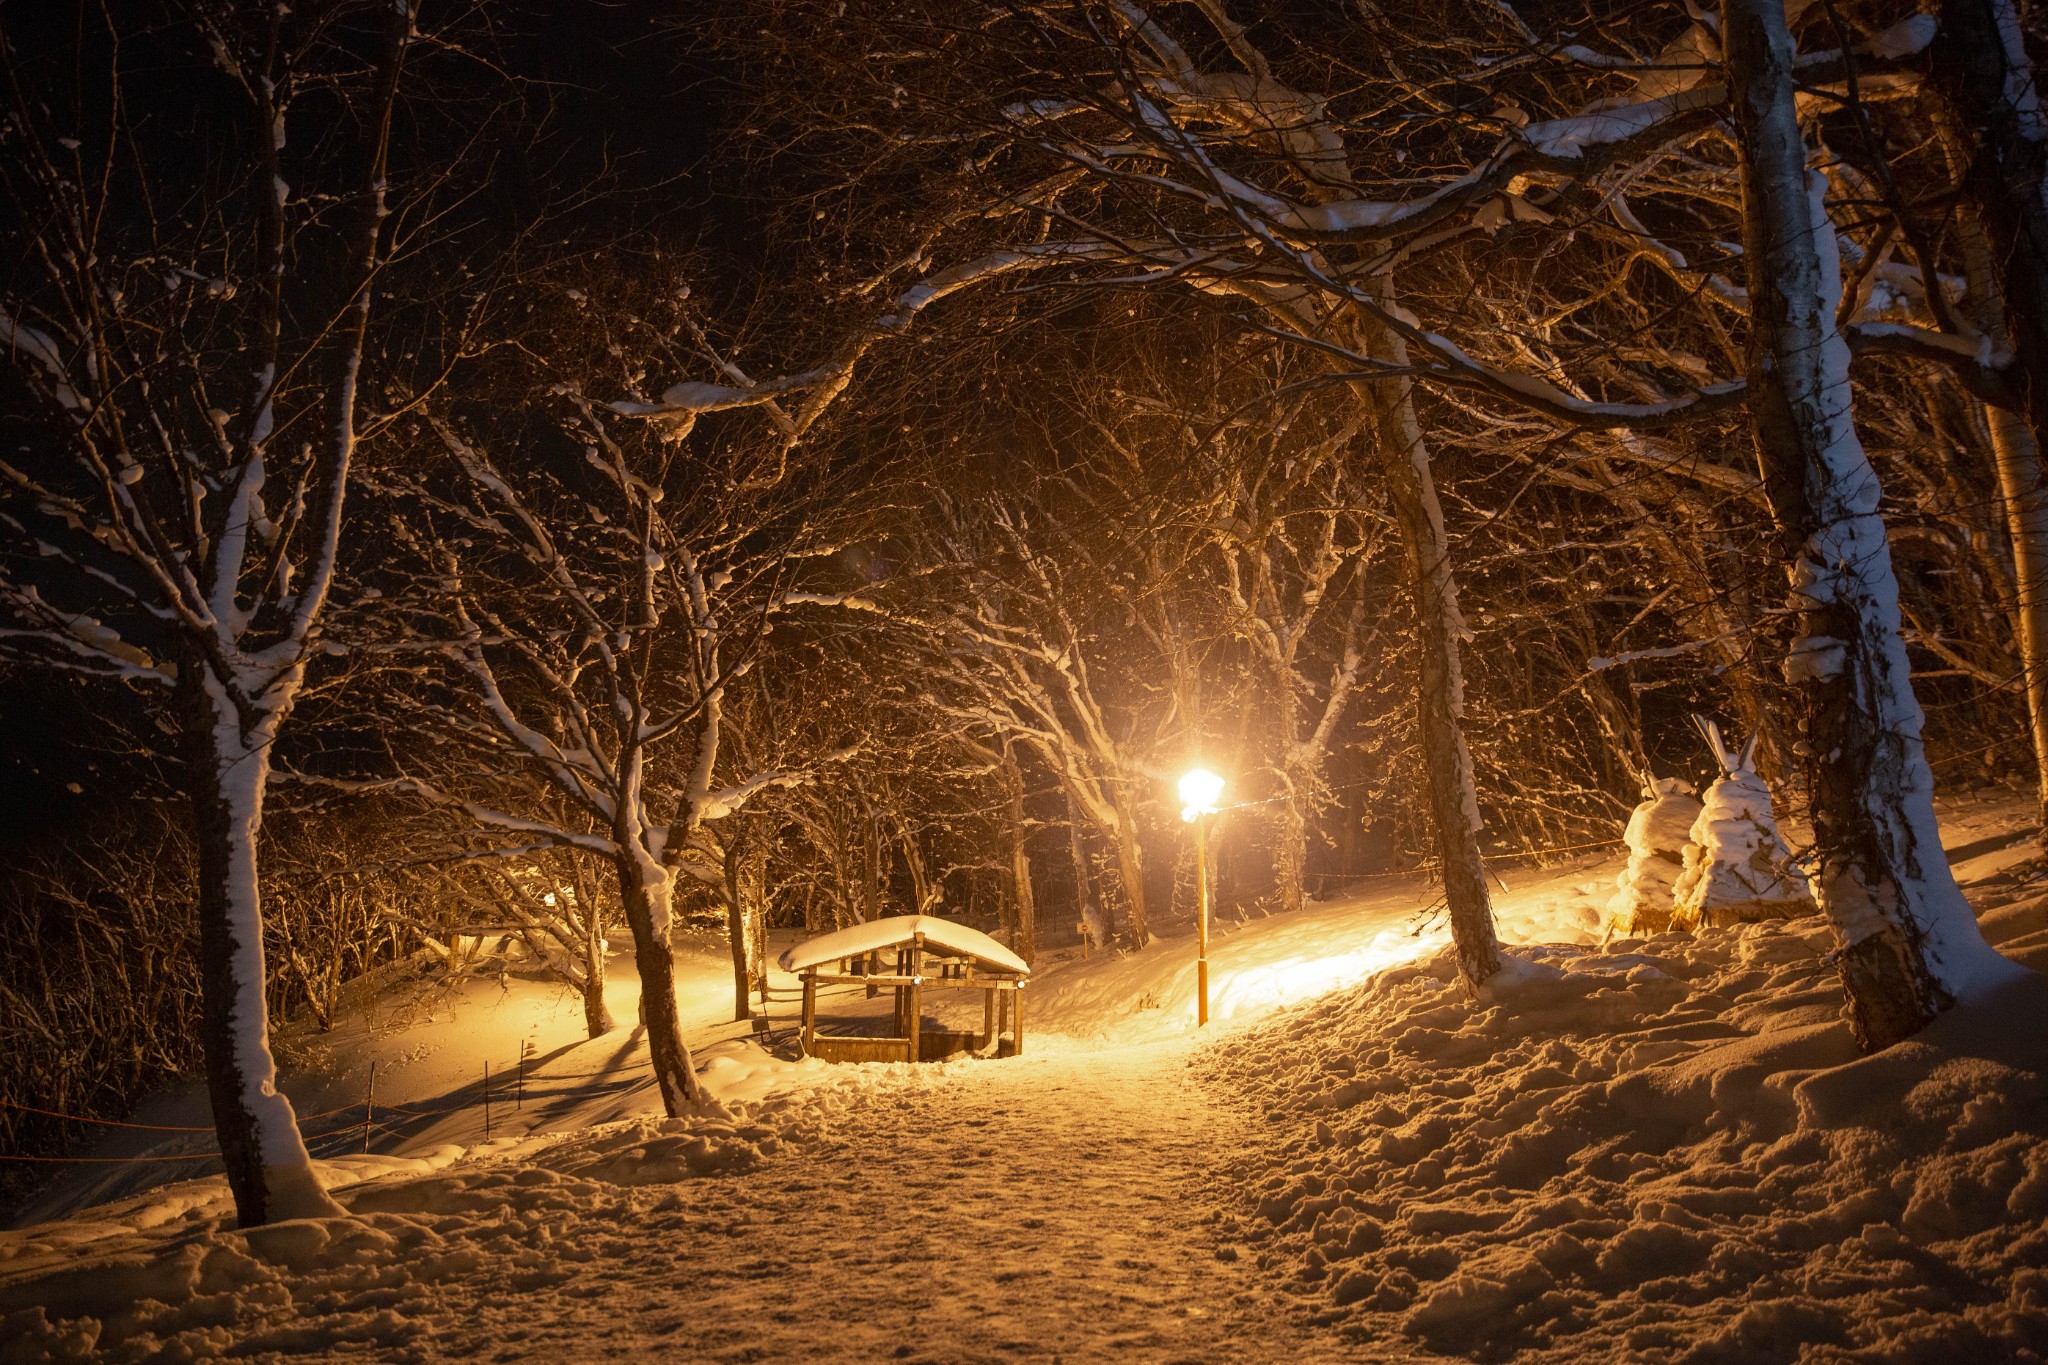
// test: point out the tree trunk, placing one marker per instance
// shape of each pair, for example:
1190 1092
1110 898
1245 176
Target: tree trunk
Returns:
1290 821
2015 439
757 925
646 891
871 869
1082 900
736 929
742 967
1130 871
1910 944
923 893
597 1016
1980 68
268 1168
1290 848
584 897
2024 490
1024 926
1440 693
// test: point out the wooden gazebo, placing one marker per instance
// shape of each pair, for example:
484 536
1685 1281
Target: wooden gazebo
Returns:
923 952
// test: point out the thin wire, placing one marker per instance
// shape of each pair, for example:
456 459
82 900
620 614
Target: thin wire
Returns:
106 1123
1568 848
117 1160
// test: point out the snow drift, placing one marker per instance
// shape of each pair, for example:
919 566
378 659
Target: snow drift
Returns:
166 1275
1667 1150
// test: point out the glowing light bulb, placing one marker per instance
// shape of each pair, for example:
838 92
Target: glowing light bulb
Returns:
1198 792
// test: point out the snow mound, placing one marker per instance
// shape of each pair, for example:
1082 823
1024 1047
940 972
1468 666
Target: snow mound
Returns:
1658 834
1666 1150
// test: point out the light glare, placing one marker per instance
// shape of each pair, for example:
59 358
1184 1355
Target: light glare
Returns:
1198 792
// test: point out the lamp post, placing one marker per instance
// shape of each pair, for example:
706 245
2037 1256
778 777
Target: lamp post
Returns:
1198 792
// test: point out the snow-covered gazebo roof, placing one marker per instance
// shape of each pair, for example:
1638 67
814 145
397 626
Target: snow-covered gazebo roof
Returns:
894 931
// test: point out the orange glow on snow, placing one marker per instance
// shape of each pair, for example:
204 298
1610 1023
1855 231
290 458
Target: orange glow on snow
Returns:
1271 985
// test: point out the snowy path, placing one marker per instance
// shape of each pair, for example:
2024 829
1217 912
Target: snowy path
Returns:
1059 1207
1046 1208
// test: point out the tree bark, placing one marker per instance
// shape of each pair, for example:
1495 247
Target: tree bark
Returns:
1440 631
871 868
1978 64
757 924
1290 824
2016 451
597 1016
646 892
268 1169
736 930
2015 437
1024 936
1290 849
1082 899
1130 871
923 893
1910 944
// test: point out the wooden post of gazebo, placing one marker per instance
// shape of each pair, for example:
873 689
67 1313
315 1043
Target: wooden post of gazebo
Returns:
915 1024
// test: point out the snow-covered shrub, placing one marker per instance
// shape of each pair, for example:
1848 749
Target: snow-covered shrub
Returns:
1657 837
1737 869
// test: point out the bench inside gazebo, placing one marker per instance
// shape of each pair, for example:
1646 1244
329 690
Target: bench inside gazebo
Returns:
913 954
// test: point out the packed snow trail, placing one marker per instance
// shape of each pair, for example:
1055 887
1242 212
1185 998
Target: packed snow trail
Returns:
1041 1208
1056 1207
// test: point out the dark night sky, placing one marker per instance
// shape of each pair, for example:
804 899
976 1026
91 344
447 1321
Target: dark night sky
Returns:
618 88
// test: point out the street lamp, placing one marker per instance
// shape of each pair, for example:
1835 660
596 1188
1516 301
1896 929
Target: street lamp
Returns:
1199 789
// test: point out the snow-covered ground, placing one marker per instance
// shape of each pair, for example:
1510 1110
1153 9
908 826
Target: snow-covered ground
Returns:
1650 1150
1666 1150
428 1046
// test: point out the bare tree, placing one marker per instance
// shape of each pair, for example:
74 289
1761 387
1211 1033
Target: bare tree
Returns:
1981 71
1170 149
197 333
1910 944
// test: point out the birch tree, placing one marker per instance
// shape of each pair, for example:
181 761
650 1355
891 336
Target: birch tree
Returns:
1910 944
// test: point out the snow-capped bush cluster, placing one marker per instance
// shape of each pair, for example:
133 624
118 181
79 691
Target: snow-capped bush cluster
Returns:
1665 1151
1737 869
1658 834
1695 864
